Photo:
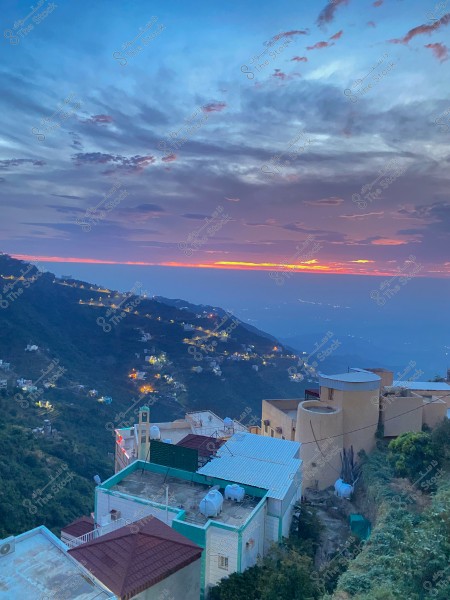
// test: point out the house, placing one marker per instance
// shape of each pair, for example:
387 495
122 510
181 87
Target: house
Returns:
35 564
233 534
144 560
204 423
267 463
31 348
4 365
3 384
346 411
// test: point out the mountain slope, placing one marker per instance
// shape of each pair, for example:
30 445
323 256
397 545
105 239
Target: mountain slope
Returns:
192 359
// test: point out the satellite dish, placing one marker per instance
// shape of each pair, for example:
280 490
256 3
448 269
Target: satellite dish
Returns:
97 479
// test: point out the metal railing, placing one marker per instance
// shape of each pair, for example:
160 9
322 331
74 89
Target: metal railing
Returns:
96 533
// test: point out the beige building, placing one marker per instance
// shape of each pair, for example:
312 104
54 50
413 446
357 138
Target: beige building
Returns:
346 412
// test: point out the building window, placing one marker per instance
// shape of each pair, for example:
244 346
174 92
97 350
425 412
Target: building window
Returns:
223 562
282 437
271 432
330 393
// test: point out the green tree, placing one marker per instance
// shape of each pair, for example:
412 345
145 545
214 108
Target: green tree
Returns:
412 453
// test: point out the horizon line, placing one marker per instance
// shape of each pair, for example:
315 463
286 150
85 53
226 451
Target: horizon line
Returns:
308 267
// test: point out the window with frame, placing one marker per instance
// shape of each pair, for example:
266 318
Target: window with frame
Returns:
272 432
223 562
330 393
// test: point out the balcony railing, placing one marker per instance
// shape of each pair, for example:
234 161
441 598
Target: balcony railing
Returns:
96 533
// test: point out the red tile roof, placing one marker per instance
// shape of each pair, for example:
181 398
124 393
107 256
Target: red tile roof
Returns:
79 527
137 556
206 446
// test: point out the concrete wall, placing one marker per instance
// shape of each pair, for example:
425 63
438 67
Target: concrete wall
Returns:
434 411
360 413
400 414
270 531
253 534
184 584
321 462
273 410
387 377
220 542
129 508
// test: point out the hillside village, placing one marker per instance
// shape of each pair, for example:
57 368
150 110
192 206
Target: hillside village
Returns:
212 495
178 507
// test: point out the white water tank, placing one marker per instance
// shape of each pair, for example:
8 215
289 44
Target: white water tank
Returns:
228 422
343 490
234 492
211 505
155 433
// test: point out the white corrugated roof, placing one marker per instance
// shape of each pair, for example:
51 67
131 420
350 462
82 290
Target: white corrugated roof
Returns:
433 386
257 460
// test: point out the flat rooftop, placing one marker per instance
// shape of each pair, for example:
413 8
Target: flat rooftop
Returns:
184 495
40 568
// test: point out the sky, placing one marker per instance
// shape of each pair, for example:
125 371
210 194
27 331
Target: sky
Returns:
245 135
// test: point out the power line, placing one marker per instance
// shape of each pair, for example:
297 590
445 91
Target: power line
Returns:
375 424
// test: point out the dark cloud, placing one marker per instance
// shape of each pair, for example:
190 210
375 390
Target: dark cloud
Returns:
324 202
65 209
134 164
17 162
195 216
300 58
66 196
328 13
378 3
147 208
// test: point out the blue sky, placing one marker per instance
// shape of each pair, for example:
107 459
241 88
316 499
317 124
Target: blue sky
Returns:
193 66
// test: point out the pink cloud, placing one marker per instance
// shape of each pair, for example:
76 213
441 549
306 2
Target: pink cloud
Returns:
440 51
319 45
101 119
300 58
169 158
214 107
371 24
279 74
378 3
288 34
337 35
327 14
422 29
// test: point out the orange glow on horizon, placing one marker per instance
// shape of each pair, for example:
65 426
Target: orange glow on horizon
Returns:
311 266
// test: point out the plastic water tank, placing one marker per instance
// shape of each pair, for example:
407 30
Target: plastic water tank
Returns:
234 492
167 440
343 490
155 433
228 422
211 505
